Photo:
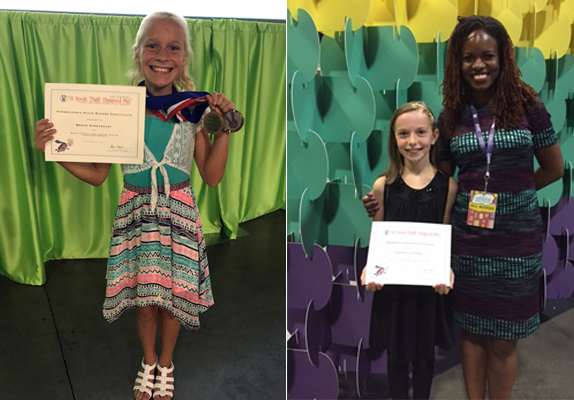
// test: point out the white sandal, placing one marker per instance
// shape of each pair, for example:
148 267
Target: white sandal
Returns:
142 381
163 382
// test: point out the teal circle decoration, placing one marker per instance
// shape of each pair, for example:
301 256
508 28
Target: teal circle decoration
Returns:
302 45
381 56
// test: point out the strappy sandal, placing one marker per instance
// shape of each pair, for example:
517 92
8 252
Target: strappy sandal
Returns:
143 383
163 382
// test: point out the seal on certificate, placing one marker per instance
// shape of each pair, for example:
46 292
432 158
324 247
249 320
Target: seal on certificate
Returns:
231 121
63 146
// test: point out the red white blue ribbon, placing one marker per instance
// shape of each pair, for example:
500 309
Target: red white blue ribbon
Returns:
178 106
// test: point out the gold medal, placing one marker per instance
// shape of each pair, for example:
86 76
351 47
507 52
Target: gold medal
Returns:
231 121
213 123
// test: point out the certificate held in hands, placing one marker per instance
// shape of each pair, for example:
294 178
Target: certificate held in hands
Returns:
96 123
409 253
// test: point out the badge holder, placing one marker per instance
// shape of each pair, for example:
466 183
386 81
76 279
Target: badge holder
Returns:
482 204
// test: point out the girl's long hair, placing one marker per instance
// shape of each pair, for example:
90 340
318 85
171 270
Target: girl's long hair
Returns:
135 74
511 95
396 162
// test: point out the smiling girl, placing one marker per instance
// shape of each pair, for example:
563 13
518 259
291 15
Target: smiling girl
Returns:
158 264
409 321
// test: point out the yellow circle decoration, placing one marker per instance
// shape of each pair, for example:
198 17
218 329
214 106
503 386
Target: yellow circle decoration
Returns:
444 19
330 15
507 12
552 35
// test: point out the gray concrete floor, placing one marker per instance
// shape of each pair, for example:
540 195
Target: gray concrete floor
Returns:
545 364
545 361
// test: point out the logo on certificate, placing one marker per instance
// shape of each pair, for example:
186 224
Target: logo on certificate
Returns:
379 270
63 146
63 98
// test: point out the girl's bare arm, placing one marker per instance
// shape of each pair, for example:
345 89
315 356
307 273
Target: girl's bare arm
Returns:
211 158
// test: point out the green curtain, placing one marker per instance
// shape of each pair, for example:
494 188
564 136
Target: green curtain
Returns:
45 212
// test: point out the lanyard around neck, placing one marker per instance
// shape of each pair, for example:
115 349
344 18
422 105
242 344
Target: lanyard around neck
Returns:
485 147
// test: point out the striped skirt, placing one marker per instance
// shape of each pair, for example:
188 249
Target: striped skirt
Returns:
501 307
158 257
497 271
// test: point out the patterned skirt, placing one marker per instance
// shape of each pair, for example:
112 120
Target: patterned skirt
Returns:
497 271
158 257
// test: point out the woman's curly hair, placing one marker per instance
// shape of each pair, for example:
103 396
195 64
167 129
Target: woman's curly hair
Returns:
511 94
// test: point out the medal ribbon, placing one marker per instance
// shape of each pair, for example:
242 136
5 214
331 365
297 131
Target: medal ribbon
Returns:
486 148
179 106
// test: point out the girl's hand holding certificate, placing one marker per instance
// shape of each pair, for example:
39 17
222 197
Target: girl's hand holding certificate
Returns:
444 289
370 286
44 133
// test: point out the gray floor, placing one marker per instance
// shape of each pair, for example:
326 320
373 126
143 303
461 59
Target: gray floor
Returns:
55 344
545 361
545 364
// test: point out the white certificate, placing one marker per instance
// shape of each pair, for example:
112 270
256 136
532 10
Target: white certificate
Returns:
409 253
96 123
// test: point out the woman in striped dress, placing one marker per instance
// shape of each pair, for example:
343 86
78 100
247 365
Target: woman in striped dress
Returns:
493 125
